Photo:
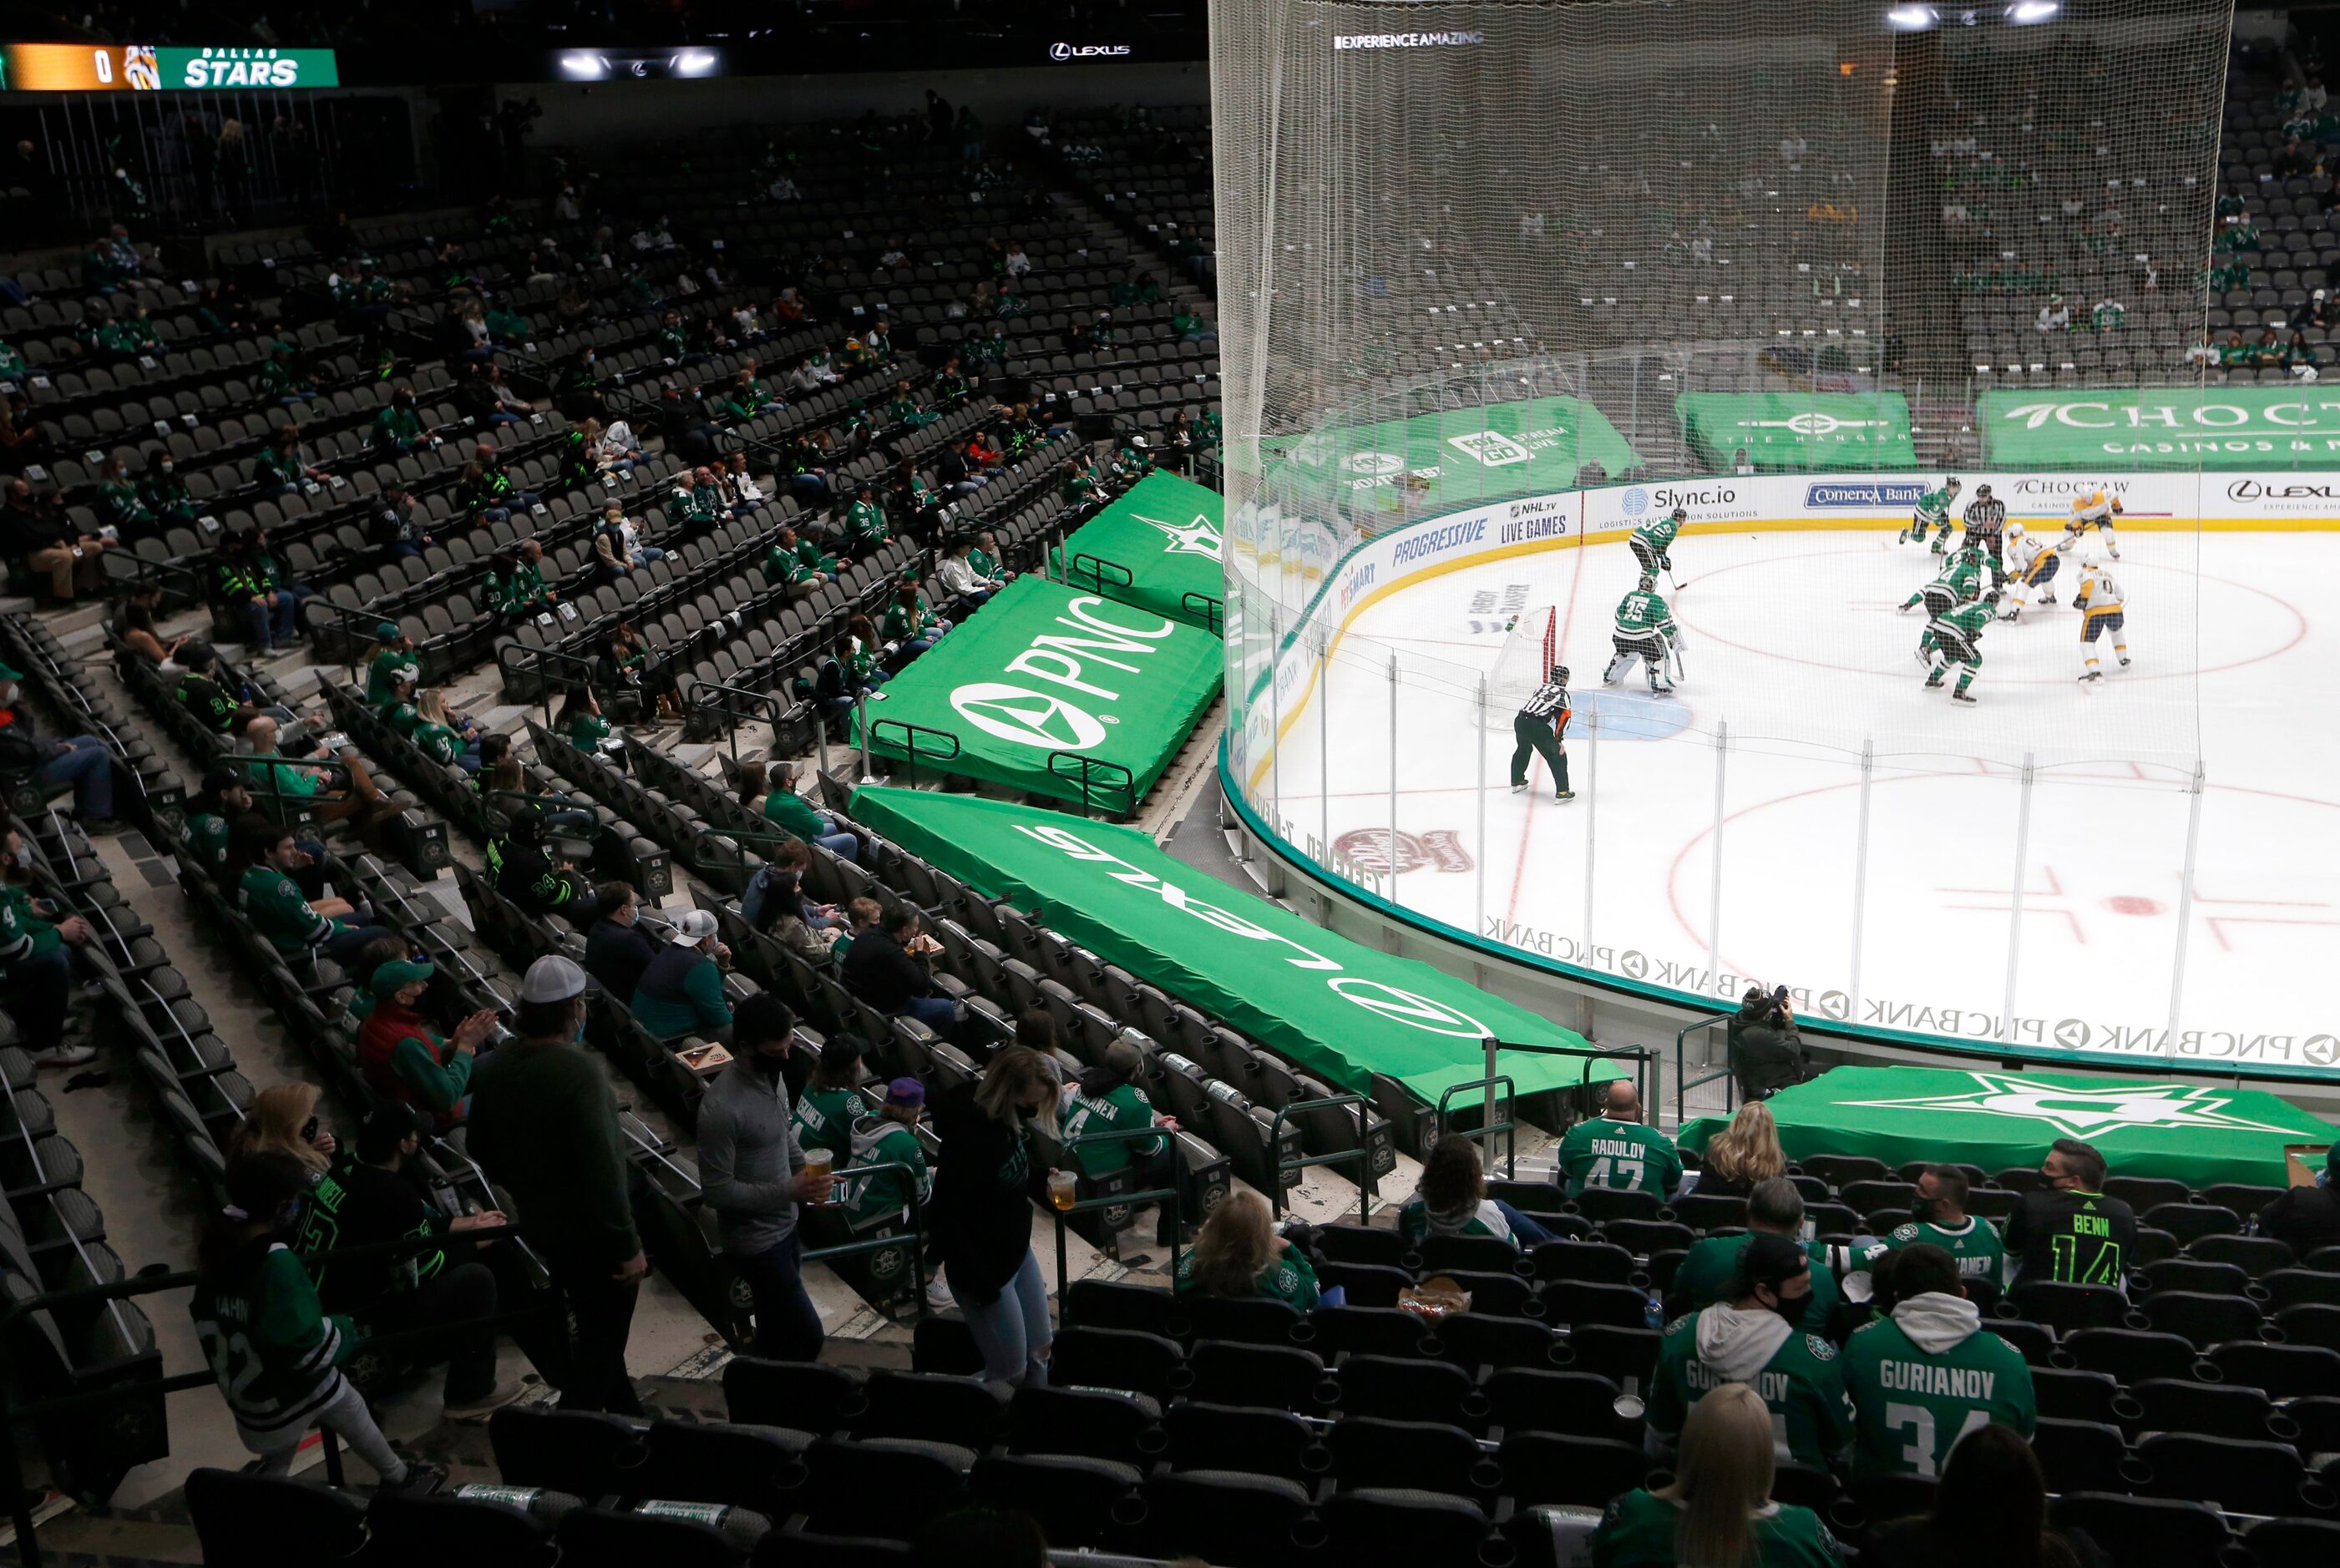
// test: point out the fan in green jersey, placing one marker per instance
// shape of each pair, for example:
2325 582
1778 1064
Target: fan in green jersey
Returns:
1755 1338
1926 1375
1939 1218
1645 630
1933 509
1616 1150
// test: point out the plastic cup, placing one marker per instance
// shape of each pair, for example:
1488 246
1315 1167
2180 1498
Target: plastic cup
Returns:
819 1161
1063 1189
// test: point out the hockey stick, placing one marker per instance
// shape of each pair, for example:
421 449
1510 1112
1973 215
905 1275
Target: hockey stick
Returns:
1673 663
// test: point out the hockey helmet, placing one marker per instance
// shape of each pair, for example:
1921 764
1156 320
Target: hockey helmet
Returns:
1647 582
1968 591
2089 560
2014 530
1681 514
1951 484
1560 675
1969 555
1982 492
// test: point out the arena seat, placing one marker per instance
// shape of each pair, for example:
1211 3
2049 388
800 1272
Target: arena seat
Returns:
1278 1376
1103 1422
2285 1371
1115 1358
2071 1395
1255 1321
1228 1517
2238 1474
1552 1465
2068 1309
253 1521
1409 1524
1246 1438
1584 1262
2084 1456
1410 1388
2143 1529
811 1396
453 1530
2204 1320
2209 1409
709 1537
1082 1504
1473 1341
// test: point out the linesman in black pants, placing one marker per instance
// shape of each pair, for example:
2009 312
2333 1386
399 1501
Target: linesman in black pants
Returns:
1538 726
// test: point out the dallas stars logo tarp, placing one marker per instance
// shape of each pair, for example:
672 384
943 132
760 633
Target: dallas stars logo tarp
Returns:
1199 537
2086 1113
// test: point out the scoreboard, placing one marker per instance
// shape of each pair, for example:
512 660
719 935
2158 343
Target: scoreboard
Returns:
145 68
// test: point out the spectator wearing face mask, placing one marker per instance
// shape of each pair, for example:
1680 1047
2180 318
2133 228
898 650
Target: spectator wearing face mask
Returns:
1707 1271
2068 1230
1756 1337
1939 1217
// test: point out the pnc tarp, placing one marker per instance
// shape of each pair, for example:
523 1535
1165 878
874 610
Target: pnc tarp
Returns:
1781 431
1339 1009
1045 672
2163 428
2191 1131
1156 546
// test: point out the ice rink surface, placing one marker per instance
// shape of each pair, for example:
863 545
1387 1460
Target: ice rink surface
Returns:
1796 651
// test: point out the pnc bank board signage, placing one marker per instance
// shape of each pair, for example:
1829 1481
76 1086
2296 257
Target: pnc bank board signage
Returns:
148 68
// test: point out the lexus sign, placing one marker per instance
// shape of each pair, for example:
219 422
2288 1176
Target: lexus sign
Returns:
1060 53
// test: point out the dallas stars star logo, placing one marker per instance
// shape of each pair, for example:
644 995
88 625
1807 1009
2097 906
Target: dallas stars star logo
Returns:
2087 1112
1199 539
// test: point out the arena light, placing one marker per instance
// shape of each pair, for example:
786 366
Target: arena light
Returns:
1912 18
583 65
2025 12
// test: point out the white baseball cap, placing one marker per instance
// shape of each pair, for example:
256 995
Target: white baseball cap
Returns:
552 979
695 926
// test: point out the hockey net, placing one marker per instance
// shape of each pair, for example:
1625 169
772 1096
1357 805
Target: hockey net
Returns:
1530 648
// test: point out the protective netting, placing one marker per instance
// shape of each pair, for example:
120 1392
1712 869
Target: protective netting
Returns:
1544 271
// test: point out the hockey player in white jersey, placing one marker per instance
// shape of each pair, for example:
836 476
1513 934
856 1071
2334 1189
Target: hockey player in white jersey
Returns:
2034 565
2096 510
2101 607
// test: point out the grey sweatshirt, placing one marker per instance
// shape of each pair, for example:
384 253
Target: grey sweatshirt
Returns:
746 1154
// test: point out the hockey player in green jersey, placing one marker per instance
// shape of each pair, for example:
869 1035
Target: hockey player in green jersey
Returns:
1933 507
1754 1338
1652 542
1929 1373
1645 631
1960 580
1956 639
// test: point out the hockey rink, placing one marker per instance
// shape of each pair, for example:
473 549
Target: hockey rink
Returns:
1883 893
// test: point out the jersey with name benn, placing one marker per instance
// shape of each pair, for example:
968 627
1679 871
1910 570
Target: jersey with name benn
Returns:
2077 1237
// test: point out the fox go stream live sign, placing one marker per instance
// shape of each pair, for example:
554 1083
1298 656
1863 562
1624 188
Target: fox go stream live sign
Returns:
1046 671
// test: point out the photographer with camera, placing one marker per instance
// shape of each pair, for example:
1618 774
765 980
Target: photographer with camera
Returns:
1766 1050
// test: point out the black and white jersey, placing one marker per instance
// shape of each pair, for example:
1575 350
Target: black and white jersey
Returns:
1547 701
1985 518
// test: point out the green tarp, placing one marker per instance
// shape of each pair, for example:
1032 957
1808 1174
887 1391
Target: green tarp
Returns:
1438 461
2172 427
1340 1010
1781 431
1156 546
2190 1131
1043 676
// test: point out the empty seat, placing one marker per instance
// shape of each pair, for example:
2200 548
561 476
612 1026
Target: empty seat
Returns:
474 1527
1104 1304
686 1537
1256 1442
2236 1474
916 1482
2143 1529
1226 1518
1392 1525
1077 1501
808 1396
1368 1451
588 1453
2210 1409
1124 1427
2067 1309
2204 1319
1281 1377
1409 1388
2285 1371
1115 1358
2083 1456
962 1410
264 1521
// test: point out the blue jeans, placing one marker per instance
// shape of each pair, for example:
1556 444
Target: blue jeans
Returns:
842 844
572 823
1527 1231
1012 1331
348 941
913 646
503 419
788 1326
271 620
936 1012
89 768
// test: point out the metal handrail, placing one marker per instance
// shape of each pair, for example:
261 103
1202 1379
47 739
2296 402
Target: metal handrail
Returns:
343 618
879 1243
538 656
1169 1195
1097 566
1211 610
336 774
1362 1153
766 705
1086 771
1488 1127
872 734
1684 1083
